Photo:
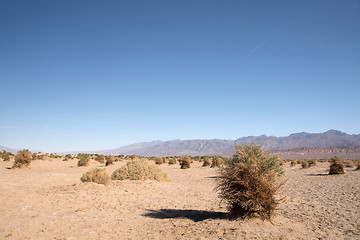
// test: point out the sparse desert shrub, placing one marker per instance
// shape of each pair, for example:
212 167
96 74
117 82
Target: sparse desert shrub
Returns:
312 162
100 158
349 164
304 164
172 161
247 182
96 175
206 162
140 169
40 157
216 162
185 163
357 166
6 157
299 161
158 160
337 166
84 160
109 160
292 163
22 159
34 156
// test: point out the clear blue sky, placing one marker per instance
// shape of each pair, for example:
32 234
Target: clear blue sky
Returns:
93 75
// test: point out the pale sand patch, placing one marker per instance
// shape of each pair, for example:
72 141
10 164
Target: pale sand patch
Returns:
48 201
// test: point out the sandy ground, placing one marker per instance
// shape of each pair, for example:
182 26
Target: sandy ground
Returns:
48 201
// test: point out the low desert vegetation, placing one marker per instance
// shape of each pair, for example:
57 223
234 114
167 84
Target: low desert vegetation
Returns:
217 162
293 163
140 169
84 160
109 160
172 161
357 166
185 163
349 164
247 182
159 160
206 162
337 166
100 158
22 159
96 175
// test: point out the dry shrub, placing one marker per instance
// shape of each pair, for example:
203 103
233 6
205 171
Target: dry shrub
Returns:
6 157
109 160
140 169
206 162
22 159
34 156
100 158
96 175
304 164
299 161
357 166
158 160
337 166
292 163
185 163
172 161
247 182
312 162
84 160
216 162
349 164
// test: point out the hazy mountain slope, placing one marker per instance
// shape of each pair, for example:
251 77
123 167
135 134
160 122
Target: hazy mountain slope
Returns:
330 138
12 150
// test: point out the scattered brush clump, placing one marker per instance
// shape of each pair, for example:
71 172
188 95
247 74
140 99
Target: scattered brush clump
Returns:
216 162
96 175
109 160
304 164
100 158
159 160
185 163
172 161
6 157
349 164
292 163
337 166
22 159
247 182
312 162
140 169
357 166
206 162
83 160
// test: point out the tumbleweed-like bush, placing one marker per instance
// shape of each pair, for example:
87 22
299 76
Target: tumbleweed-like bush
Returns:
185 163
357 166
109 160
140 169
22 159
216 162
206 162
337 166
96 175
100 158
84 160
247 182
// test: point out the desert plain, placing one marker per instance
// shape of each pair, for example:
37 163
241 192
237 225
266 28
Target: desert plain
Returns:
48 201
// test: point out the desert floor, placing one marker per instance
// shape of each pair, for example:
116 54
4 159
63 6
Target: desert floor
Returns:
48 201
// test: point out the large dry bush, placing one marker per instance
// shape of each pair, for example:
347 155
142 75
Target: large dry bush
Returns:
337 166
247 182
96 175
140 169
22 159
159 160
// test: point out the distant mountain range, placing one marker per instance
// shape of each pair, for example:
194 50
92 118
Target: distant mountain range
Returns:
12 150
293 145
331 138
